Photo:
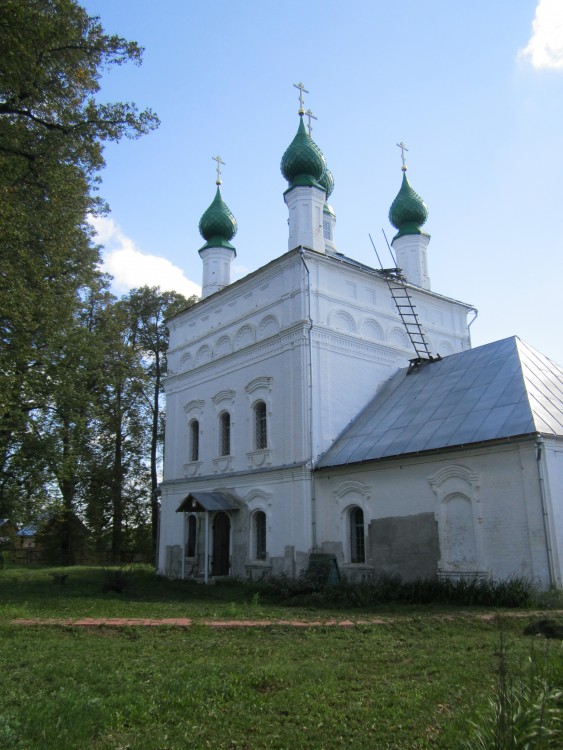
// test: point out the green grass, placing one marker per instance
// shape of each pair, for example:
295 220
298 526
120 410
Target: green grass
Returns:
414 682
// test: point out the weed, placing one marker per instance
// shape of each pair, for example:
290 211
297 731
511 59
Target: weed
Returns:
117 580
527 709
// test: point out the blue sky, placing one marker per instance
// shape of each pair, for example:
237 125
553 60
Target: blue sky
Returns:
475 90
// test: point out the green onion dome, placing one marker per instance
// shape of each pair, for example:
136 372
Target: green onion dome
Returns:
303 162
218 225
327 181
408 211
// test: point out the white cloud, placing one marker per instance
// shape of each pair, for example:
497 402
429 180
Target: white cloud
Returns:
132 268
545 48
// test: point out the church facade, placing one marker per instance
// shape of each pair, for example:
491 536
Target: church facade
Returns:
278 382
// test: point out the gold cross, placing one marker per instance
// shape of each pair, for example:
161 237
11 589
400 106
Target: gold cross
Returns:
403 148
219 162
302 89
311 116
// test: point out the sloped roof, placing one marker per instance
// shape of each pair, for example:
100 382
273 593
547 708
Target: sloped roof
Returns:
207 501
499 390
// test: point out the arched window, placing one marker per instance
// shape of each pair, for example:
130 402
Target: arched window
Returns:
357 538
225 434
259 534
194 440
191 536
260 426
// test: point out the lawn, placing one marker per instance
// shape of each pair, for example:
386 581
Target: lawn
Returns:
415 680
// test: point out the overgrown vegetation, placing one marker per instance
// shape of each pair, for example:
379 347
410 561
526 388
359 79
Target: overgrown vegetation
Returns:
485 592
526 710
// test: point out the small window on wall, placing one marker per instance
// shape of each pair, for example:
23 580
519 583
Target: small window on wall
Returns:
357 537
225 434
260 425
259 533
191 536
194 440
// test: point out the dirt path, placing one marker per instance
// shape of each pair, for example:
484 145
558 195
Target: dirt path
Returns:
186 622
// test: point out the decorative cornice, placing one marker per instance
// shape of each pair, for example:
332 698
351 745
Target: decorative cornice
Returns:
195 405
264 381
226 395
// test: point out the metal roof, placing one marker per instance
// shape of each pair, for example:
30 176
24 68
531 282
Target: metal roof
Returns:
499 390
207 501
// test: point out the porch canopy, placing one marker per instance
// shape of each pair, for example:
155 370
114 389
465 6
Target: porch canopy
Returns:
206 502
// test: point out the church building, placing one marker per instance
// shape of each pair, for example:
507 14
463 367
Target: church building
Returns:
321 406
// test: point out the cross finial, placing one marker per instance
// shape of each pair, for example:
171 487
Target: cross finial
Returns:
403 148
219 162
311 116
302 89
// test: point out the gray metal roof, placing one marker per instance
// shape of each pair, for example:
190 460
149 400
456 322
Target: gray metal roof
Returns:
499 390
207 501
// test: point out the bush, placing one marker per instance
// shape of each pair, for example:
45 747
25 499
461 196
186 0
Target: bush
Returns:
311 589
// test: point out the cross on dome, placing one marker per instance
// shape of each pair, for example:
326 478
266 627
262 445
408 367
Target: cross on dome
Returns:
302 89
403 148
219 162
311 116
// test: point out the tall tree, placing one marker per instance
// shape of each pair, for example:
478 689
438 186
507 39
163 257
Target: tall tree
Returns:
52 132
148 310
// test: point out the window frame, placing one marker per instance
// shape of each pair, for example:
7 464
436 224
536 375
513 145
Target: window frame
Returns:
260 425
357 535
259 536
193 445
224 434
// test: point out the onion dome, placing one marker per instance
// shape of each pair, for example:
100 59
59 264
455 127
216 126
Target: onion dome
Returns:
327 181
408 211
218 225
303 162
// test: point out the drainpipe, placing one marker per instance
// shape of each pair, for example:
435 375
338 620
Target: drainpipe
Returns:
311 446
540 459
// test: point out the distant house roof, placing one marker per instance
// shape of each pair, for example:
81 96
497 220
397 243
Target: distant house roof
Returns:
496 391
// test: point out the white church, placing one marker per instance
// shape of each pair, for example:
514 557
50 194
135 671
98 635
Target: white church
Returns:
319 406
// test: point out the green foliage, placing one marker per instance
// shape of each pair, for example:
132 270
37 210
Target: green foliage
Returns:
514 592
52 131
526 712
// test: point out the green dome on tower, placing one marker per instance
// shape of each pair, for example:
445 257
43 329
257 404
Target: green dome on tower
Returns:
218 225
408 211
303 162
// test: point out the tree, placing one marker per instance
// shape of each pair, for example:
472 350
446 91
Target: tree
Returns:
148 310
52 132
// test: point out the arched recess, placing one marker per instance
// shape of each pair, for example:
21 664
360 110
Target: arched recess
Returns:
245 336
223 346
186 361
460 520
398 337
203 355
269 326
370 329
340 320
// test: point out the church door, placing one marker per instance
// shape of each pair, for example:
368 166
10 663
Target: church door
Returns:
221 544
